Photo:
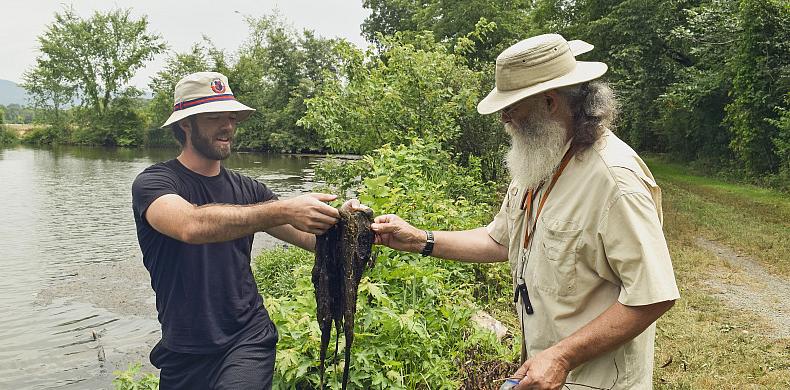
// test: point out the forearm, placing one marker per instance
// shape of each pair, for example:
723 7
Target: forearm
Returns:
293 236
612 328
222 222
474 246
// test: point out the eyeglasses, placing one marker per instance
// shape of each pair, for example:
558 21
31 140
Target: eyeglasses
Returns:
508 111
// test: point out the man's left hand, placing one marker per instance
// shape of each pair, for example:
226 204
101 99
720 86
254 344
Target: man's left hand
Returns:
545 371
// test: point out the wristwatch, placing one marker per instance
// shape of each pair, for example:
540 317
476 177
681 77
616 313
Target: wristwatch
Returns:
429 241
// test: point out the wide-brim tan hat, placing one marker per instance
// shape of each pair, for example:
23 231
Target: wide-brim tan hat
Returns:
535 65
205 92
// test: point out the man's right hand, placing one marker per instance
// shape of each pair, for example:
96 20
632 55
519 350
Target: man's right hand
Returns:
392 231
310 214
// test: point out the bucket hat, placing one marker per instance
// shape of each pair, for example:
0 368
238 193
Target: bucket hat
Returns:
535 65
205 92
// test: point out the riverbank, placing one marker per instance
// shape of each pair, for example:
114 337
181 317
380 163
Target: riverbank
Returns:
22 129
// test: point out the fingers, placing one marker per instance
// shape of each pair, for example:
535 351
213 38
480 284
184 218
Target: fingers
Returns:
324 208
323 197
354 205
386 218
521 374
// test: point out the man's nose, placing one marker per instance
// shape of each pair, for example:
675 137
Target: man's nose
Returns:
229 123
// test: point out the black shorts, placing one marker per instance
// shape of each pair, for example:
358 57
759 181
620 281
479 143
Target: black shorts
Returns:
248 364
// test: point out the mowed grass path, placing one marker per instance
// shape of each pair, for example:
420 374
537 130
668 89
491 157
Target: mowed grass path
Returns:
701 342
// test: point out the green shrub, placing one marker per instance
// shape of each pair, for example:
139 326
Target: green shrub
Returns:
7 137
413 328
133 379
412 325
47 135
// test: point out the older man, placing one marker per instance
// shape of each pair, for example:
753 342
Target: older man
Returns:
580 225
195 224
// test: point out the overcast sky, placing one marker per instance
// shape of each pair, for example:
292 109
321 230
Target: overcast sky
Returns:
180 23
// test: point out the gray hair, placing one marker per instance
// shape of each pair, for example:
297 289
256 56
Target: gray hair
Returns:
594 109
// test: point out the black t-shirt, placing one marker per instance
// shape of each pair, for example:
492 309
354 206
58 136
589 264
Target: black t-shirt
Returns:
205 294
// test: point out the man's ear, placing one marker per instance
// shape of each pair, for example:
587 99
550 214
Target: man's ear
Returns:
185 124
552 100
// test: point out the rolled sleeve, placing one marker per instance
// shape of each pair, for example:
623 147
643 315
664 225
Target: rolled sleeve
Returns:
637 252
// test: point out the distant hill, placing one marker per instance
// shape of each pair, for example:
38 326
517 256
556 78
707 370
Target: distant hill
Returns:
11 93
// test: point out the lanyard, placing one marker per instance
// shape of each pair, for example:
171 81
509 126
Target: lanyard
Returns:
526 203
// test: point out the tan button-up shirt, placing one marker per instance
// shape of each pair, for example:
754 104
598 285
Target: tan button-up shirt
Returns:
598 240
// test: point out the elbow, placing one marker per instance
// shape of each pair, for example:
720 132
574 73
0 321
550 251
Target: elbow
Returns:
663 307
190 234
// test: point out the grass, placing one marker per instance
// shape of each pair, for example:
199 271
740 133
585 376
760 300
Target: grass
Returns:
701 343
753 220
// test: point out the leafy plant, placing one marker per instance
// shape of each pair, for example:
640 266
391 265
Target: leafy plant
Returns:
413 324
133 379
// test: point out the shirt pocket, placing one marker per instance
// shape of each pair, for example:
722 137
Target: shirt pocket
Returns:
555 264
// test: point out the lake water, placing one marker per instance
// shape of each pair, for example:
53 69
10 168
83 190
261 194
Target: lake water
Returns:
75 300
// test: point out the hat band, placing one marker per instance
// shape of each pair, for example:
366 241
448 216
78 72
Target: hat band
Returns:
202 100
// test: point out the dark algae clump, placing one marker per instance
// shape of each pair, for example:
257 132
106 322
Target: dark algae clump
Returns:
341 255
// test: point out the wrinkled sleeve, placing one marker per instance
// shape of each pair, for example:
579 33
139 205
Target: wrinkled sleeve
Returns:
150 185
263 193
497 229
637 252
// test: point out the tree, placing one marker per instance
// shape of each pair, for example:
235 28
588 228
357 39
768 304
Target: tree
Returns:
277 69
48 92
450 20
410 90
691 120
761 69
91 59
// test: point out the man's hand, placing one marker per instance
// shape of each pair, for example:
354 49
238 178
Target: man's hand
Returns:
354 205
545 371
310 214
396 233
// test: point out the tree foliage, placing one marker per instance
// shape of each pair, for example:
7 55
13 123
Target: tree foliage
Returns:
408 90
761 69
89 62
449 21
277 70
92 59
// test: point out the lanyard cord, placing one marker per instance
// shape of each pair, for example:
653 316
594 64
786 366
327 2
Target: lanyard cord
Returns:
526 203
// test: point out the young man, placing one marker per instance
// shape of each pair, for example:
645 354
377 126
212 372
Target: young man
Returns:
195 224
580 225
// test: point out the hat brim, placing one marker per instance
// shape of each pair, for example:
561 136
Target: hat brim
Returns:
584 71
222 106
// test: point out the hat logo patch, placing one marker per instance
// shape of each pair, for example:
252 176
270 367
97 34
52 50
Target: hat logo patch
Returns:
217 86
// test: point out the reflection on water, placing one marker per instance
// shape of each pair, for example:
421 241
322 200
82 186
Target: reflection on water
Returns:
66 223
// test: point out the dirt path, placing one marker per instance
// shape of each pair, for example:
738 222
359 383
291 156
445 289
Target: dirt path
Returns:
745 285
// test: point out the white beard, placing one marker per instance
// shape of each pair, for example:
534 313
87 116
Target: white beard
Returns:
536 149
